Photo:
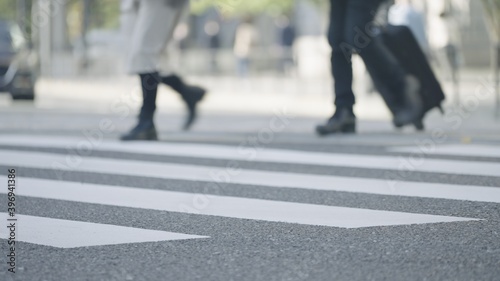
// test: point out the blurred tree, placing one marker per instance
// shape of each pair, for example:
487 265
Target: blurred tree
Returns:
104 14
18 11
8 9
237 7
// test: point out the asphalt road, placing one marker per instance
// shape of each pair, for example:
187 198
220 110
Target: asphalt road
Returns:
246 202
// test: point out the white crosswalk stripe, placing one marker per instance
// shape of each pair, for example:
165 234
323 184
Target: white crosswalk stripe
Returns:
223 206
143 197
72 234
62 163
264 155
473 150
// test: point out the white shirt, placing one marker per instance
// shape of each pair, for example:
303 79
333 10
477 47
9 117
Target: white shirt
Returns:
405 14
244 41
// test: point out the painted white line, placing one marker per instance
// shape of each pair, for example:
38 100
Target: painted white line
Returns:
264 155
222 206
222 176
73 234
489 151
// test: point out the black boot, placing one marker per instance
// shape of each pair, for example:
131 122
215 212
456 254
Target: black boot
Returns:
145 129
190 94
343 121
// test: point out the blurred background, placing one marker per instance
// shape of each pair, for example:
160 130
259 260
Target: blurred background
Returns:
265 47
78 37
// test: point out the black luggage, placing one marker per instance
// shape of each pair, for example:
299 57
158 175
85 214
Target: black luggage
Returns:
401 42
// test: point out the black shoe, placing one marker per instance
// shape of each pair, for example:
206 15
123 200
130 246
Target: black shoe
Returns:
192 95
411 112
419 124
343 121
145 130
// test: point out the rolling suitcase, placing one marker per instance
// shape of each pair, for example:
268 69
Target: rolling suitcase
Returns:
401 42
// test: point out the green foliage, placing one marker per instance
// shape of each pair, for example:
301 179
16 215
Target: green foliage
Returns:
239 7
103 13
8 9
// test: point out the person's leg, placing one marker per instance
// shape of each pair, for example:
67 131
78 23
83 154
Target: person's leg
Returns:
148 41
191 95
341 55
149 85
343 120
145 129
156 20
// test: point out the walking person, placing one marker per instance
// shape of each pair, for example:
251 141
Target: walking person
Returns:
447 18
155 21
244 41
286 37
352 30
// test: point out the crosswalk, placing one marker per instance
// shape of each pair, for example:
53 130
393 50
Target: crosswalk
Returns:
72 234
55 157
488 151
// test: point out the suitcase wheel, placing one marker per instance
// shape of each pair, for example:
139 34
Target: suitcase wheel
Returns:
419 125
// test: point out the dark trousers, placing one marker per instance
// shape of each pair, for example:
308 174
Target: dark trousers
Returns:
352 30
149 85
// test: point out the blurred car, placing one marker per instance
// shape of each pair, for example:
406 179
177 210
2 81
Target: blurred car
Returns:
18 63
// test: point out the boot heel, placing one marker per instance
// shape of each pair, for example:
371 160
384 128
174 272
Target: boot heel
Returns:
343 121
152 136
349 128
419 125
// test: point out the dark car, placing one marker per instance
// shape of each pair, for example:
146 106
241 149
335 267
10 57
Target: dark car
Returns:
18 64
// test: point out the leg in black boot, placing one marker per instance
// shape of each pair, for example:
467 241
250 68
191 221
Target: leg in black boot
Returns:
145 129
190 94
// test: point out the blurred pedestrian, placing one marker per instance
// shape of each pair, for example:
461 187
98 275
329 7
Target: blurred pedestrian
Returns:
152 30
245 39
212 30
286 41
447 17
352 30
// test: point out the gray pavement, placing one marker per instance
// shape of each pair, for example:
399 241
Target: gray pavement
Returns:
239 248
